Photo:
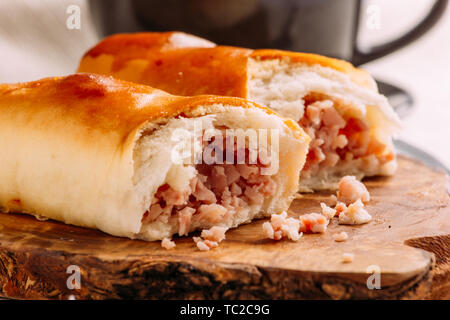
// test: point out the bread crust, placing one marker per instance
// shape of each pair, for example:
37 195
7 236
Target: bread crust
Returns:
104 103
152 58
68 143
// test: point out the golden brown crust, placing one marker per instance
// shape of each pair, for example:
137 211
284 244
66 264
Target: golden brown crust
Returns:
181 71
104 103
217 70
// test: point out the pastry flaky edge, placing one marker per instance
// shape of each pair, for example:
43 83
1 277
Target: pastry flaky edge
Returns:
72 151
184 64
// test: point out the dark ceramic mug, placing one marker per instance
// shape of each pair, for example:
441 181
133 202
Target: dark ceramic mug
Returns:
328 27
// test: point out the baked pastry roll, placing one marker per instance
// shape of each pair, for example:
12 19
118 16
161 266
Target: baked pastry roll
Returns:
97 152
338 105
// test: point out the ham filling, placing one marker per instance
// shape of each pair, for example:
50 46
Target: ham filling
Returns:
210 238
168 244
214 195
338 139
351 191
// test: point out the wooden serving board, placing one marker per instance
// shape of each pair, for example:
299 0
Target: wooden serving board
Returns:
408 240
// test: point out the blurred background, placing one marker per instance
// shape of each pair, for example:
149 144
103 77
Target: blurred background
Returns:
405 44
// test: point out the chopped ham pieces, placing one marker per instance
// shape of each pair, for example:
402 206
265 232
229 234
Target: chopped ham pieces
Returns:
168 244
339 142
246 170
340 207
322 123
215 194
174 197
327 211
218 179
235 189
352 193
205 245
280 226
355 214
212 212
331 117
253 195
215 233
313 114
232 174
202 193
313 222
338 139
210 238
351 190
184 220
269 232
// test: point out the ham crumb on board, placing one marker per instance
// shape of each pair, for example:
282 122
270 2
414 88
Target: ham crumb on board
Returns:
280 226
340 207
351 190
348 207
168 244
313 222
347 257
327 211
355 214
216 234
341 236
210 238
352 193
205 245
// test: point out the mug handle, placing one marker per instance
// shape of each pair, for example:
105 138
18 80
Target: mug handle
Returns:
419 30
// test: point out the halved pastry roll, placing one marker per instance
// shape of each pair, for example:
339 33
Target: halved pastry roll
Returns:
338 105
134 161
